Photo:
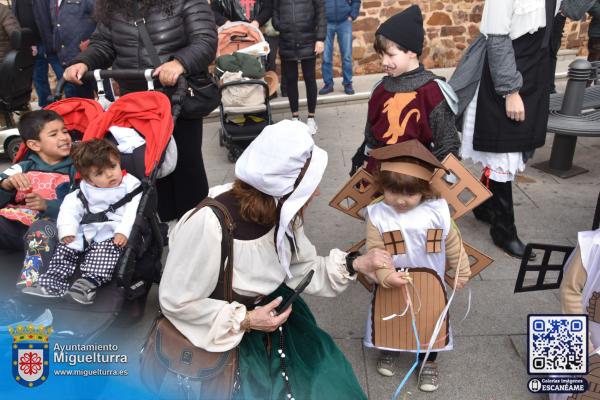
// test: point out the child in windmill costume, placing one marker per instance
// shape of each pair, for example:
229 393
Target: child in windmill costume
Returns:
580 294
413 223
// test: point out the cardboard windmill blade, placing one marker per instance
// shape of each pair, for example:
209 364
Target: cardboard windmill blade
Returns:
463 195
361 278
477 260
356 194
426 285
541 266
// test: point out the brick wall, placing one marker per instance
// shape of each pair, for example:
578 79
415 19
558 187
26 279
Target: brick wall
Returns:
450 27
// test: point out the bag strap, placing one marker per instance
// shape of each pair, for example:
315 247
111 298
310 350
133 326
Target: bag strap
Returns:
145 36
224 289
90 217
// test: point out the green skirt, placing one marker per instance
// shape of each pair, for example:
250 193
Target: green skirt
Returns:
316 368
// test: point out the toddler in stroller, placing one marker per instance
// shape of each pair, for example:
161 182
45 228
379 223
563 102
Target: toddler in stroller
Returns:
146 153
94 223
245 87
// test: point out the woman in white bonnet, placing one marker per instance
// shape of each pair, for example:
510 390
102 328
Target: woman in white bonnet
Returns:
277 176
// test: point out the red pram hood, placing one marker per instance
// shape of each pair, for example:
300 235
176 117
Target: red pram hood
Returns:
149 113
76 112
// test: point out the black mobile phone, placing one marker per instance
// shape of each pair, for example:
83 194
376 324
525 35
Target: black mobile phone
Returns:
299 289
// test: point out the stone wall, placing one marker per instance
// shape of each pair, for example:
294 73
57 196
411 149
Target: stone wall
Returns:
450 27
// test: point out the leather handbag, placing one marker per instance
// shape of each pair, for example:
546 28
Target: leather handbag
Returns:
170 364
203 94
202 98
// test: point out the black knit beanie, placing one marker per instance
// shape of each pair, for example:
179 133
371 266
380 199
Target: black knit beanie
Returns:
405 29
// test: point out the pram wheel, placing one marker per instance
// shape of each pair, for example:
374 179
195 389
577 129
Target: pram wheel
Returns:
221 138
234 153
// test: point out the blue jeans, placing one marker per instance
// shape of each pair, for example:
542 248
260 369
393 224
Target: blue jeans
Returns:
40 73
344 34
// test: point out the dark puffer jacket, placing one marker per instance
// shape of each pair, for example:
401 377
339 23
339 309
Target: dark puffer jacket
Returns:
189 35
300 24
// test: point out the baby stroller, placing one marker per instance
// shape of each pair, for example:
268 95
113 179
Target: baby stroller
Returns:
151 115
245 108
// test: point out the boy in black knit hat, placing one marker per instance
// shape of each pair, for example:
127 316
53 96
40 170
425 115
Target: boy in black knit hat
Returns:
410 102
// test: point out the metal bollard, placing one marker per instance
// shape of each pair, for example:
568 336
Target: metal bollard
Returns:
563 147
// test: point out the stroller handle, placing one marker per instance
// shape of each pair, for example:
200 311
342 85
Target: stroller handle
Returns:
132 75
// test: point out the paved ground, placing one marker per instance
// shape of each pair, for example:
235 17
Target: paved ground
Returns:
490 345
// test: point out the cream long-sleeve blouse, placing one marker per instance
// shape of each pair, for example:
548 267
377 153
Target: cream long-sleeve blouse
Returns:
513 17
192 270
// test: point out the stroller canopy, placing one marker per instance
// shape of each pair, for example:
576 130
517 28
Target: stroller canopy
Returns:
76 112
238 35
149 113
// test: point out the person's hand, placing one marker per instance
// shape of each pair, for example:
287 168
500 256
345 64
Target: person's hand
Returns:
461 284
515 109
35 202
120 240
255 24
375 259
265 318
397 279
67 239
169 72
34 51
18 181
319 47
75 72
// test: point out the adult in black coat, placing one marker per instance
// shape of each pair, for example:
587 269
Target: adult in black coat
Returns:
185 38
302 29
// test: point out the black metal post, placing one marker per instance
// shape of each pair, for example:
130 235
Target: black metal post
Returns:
563 146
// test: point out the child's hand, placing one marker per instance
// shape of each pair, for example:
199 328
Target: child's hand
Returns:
67 239
319 47
18 181
515 109
120 240
35 202
461 284
397 279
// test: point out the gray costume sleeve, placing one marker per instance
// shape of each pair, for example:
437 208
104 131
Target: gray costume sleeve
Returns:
576 9
443 130
503 67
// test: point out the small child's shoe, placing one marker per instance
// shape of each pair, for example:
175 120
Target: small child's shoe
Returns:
312 125
429 380
83 291
39 291
385 364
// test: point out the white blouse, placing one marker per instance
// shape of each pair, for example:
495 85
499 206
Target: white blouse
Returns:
192 269
514 17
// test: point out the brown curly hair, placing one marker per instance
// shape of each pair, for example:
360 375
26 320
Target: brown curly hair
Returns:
96 153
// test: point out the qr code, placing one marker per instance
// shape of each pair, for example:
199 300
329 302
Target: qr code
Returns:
557 344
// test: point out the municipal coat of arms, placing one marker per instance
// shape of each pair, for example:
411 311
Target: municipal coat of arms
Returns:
30 354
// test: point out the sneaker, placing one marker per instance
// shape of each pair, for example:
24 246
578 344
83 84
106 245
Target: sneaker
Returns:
312 125
326 89
295 119
429 380
385 364
83 291
39 291
348 89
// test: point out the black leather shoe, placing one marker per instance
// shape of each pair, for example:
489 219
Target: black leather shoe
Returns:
514 248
